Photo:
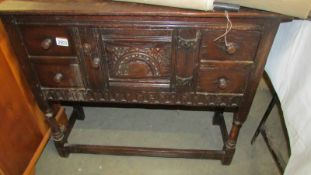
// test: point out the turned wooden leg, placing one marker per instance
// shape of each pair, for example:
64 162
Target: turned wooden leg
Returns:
216 118
219 120
57 134
80 112
230 144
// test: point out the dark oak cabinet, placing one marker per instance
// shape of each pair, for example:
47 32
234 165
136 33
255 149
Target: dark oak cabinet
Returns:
139 54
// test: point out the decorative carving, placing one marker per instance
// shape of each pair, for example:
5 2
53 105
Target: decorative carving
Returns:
188 99
152 60
123 66
188 43
184 82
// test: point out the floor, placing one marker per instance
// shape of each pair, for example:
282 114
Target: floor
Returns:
165 128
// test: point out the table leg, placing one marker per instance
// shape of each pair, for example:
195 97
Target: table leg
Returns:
80 112
230 144
57 133
265 117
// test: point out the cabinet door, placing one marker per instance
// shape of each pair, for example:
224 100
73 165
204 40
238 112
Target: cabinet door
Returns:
138 59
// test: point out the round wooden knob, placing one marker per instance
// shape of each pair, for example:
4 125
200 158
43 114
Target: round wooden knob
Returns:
222 83
231 48
96 62
58 77
87 48
46 43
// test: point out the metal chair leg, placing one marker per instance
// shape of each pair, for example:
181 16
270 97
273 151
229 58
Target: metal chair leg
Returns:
265 117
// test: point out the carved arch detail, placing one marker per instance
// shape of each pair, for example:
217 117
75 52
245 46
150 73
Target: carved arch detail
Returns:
121 68
152 59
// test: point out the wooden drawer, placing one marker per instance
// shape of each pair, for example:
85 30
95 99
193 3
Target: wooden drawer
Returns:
223 77
59 75
244 45
48 41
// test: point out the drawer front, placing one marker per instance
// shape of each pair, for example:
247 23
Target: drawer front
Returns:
220 77
241 45
138 59
59 75
48 40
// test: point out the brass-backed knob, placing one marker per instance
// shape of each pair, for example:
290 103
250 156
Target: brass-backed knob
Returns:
222 83
46 43
96 62
58 77
231 48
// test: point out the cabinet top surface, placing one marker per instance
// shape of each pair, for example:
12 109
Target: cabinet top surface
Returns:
107 7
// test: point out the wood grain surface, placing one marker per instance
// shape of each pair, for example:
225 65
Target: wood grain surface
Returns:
22 126
107 7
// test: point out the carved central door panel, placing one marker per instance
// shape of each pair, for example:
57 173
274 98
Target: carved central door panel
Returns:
137 59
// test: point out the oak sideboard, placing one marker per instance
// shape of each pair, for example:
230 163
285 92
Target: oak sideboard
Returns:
113 52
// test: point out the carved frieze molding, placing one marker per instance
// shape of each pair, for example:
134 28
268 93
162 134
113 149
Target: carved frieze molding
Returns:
189 99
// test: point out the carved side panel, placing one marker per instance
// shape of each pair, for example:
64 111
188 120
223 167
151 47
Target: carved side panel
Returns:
188 41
